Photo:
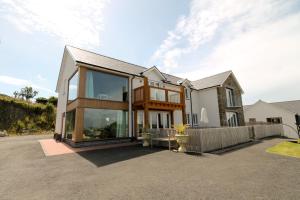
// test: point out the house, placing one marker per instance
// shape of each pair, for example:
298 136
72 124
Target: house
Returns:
278 112
220 95
106 99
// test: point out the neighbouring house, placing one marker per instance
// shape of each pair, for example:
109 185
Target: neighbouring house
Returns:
102 98
278 112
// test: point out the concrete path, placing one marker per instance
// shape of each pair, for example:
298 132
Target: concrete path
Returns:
138 173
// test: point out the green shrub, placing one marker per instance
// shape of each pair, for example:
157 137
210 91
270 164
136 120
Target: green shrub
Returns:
16 115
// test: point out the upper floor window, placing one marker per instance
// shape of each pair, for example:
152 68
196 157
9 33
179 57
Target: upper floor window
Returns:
157 94
173 97
104 86
73 87
230 97
187 93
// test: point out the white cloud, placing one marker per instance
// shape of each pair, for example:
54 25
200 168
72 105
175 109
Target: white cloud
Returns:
22 83
258 40
76 22
41 78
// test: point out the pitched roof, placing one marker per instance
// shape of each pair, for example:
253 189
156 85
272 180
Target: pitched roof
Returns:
88 57
293 106
211 81
155 69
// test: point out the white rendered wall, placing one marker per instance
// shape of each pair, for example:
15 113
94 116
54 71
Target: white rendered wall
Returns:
68 70
207 99
261 111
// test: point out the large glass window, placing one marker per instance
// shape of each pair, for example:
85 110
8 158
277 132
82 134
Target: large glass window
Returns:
106 86
70 123
157 94
73 85
173 97
105 124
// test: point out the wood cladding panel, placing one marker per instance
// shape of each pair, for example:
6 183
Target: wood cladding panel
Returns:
102 104
97 104
139 94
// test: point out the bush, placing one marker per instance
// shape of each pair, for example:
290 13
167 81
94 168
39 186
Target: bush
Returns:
53 101
16 115
41 100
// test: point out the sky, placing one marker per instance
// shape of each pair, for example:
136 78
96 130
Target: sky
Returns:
259 40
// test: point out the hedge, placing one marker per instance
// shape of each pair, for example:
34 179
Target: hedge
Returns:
17 115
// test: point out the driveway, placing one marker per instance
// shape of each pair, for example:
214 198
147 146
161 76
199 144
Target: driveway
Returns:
141 173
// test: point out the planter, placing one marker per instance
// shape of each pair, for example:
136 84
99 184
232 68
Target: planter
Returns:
182 140
146 139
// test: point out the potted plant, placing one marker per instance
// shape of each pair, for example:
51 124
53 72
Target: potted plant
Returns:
146 137
181 137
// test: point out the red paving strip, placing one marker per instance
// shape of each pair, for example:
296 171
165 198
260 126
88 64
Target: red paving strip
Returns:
53 148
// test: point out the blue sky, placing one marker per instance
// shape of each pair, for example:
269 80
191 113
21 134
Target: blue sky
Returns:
258 39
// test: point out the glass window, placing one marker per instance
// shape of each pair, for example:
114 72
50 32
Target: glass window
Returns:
232 119
157 94
106 86
230 97
153 120
70 123
166 120
73 85
188 121
105 124
187 93
173 97
195 119
140 121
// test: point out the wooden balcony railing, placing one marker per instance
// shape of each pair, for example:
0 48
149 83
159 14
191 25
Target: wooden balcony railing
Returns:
168 96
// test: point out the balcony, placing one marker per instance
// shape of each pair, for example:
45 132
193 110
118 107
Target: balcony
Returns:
157 98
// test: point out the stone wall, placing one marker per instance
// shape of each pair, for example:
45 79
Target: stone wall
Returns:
222 101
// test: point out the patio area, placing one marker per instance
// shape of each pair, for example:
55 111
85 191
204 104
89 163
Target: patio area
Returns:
134 172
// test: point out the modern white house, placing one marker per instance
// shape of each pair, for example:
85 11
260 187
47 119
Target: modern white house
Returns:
278 112
106 99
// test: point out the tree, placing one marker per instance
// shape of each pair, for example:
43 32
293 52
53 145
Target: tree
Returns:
26 92
53 100
16 94
41 100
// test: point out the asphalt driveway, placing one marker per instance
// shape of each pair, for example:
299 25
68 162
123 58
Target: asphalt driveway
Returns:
139 173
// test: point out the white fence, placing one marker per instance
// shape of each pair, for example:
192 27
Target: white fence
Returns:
205 140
